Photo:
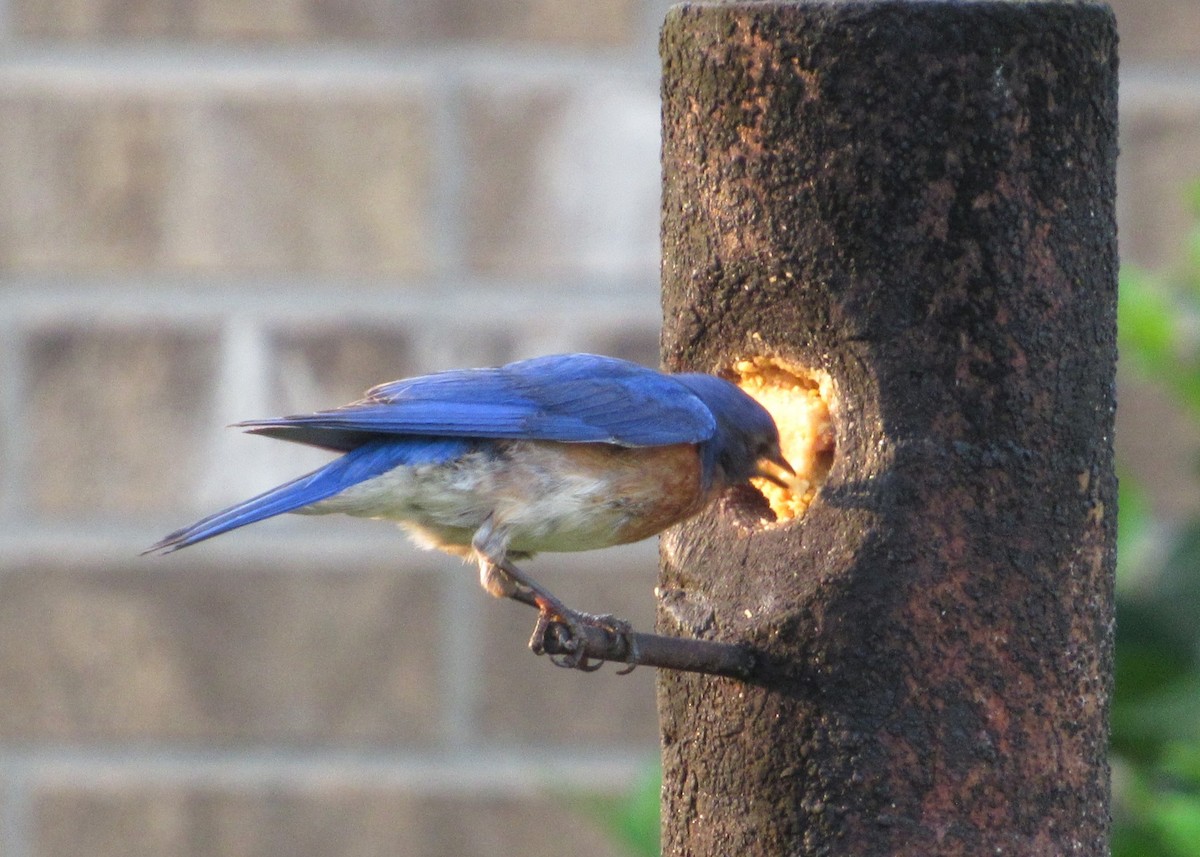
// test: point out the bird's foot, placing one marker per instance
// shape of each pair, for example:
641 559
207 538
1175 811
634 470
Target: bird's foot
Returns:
570 635
571 631
623 631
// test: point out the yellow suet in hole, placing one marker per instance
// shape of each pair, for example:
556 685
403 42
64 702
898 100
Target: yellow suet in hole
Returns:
799 400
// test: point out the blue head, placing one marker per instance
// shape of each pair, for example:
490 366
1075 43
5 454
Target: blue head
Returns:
746 437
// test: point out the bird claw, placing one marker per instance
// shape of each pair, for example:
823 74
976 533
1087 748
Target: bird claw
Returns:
571 638
624 632
568 628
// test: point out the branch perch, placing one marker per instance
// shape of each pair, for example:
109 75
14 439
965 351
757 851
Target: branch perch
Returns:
654 650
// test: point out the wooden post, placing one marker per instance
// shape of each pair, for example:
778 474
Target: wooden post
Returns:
916 198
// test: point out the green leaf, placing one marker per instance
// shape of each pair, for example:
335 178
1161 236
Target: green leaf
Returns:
1133 840
1182 763
1176 819
1133 529
1145 323
1147 722
1148 337
632 820
1191 197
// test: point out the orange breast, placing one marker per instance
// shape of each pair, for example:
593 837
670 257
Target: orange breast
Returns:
653 487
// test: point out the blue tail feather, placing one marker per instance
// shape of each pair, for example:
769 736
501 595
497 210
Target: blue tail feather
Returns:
366 462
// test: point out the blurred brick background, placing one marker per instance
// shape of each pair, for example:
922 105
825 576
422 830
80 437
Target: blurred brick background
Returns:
221 209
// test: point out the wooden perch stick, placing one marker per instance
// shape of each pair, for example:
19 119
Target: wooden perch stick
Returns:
654 650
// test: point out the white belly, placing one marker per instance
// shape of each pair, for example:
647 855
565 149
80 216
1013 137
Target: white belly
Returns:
443 505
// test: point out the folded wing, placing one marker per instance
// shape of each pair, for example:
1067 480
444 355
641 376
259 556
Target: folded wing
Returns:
573 398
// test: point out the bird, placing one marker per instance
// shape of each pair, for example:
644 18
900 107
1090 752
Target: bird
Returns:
566 452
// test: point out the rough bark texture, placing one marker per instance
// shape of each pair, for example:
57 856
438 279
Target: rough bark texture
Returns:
918 198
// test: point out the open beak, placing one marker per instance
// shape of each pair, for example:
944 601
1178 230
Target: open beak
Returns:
766 472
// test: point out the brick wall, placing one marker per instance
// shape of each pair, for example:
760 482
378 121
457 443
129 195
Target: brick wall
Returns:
215 210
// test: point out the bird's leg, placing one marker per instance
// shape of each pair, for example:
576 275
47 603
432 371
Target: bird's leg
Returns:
552 611
503 579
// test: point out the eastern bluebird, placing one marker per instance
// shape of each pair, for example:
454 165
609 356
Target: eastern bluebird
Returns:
567 452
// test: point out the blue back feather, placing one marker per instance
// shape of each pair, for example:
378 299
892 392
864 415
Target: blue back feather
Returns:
572 398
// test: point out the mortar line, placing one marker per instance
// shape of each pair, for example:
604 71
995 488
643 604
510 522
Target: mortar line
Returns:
13 437
31 299
101 544
466 770
16 812
165 68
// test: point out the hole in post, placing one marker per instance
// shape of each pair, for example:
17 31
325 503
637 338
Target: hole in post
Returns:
799 400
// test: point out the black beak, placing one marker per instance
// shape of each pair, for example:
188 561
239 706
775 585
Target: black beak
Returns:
776 458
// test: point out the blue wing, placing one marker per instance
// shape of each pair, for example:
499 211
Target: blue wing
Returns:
573 398
367 461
